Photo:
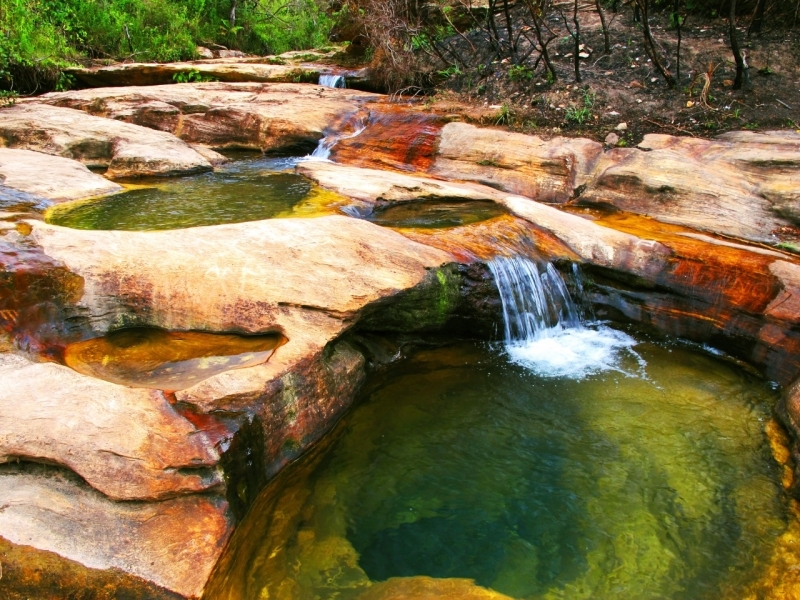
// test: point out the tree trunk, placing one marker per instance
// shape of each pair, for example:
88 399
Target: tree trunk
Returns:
510 30
232 19
742 72
758 18
604 24
577 37
537 10
679 21
650 44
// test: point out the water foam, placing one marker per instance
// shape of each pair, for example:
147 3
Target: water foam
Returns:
323 150
576 352
544 332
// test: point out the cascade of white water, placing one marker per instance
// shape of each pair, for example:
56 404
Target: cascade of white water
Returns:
326 144
332 81
543 328
533 303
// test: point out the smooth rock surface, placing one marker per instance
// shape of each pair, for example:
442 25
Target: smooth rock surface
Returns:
545 170
127 443
683 182
66 179
173 544
741 184
126 150
310 279
267 117
428 588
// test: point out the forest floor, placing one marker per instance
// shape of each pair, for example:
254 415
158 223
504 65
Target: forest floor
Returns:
624 87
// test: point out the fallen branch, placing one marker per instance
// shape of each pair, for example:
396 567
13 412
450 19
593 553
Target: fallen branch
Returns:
668 126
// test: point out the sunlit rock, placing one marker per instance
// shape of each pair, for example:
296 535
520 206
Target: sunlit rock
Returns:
66 179
546 170
127 443
428 588
172 544
267 117
125 150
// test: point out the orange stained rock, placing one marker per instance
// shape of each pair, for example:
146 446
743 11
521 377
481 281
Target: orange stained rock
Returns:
395 138
733 274
167 360
505 235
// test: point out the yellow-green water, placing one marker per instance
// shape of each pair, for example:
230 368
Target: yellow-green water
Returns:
167 360
244 190
459 465
436 214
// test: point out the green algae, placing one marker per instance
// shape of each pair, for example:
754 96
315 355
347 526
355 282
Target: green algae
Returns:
457 464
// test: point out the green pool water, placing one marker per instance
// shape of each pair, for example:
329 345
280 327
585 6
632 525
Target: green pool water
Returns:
245 190
460 465
435 214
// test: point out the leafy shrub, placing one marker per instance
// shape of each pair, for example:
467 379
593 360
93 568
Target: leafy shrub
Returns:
520 73
193 76
40 37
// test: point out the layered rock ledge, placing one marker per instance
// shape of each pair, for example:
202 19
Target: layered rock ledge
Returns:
230 70
125 150
267 117
227 434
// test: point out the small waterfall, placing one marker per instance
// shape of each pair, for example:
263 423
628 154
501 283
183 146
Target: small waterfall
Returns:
332 81
326 144
543 328
533 302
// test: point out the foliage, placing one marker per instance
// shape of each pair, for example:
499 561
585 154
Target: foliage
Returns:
193 76
505 116
39 37
582 114
520 73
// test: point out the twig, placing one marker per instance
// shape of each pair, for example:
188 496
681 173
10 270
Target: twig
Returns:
665 126
784 103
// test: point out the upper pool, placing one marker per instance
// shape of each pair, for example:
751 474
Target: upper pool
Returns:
251 189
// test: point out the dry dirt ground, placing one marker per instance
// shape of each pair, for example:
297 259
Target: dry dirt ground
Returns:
625 87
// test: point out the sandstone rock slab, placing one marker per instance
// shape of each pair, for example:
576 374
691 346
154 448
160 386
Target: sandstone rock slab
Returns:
127 443
173 544
66 179
740 184
268 117
310 279
126 150
545 170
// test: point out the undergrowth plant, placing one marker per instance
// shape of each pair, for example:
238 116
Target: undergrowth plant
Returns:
38 38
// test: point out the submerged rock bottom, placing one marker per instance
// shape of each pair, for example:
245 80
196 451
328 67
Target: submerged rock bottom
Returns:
463 475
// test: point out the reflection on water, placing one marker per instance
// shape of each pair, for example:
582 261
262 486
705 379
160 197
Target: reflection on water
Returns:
167 360
246 190
459 465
